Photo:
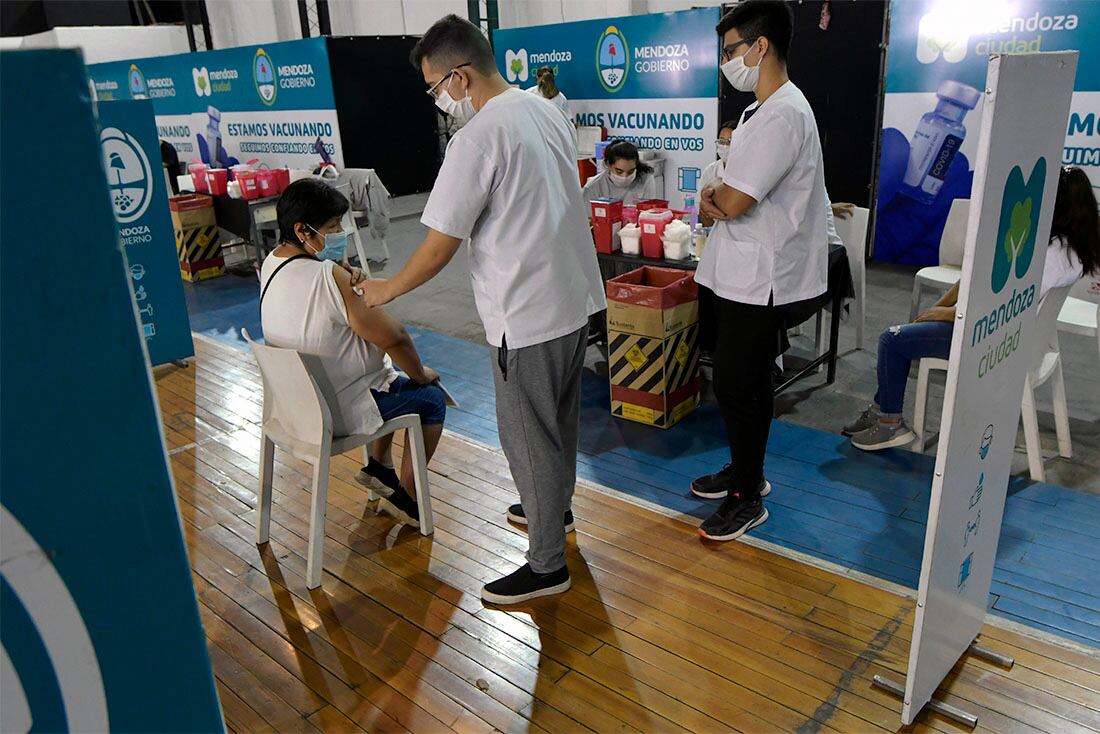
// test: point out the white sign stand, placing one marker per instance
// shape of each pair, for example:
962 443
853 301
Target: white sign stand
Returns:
1015 180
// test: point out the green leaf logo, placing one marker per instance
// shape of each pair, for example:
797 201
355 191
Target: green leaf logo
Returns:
1018 224
517 67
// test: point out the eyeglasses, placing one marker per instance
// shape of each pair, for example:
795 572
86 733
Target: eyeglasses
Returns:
727 51
721 141
433 91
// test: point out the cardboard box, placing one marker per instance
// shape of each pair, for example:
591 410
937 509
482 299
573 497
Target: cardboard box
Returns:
191 210
198 244
653 345
193 272
607 220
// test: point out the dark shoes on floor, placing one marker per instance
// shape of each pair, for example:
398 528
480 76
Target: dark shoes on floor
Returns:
401 507
523 584
717 486
379 477
738 514
516 515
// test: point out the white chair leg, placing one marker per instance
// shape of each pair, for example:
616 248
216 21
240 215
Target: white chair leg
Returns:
1061 412
914 302
415 443
263 504
318 506
921 408
1031 433
371 496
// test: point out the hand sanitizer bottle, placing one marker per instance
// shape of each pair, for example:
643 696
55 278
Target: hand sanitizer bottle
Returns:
938 138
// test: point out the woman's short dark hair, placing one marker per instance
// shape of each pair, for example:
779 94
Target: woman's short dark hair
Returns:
308 201
728 125
770 19
624 150
452 41
1075 217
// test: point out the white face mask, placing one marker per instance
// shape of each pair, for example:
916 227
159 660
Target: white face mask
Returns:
460 109
743 78
723 150
622 181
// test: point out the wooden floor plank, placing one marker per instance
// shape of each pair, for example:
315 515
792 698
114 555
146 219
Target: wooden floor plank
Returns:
659 634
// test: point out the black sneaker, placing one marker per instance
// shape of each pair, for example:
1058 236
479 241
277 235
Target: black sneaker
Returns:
716 486
523 584
734 518
401 506
515 514
379 477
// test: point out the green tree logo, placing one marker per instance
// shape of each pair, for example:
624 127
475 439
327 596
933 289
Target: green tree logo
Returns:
1019 222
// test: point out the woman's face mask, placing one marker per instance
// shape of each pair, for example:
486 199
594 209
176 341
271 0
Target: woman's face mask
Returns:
622 181
722 147
335 245
460 109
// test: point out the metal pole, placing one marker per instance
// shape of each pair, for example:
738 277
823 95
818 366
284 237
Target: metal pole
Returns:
324 24
205 18
303 18
991 656
944 709
185 6
884 45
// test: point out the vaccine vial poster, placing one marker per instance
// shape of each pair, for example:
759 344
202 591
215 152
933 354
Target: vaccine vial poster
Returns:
99 624
992 348
650 79
936 67
139 200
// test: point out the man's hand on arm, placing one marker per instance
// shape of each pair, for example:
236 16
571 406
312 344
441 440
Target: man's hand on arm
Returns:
431 257
732 202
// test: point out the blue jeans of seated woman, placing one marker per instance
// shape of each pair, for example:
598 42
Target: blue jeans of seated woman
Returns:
405 397
897 348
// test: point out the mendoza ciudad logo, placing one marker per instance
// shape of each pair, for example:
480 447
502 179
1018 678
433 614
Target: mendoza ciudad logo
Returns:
1014 253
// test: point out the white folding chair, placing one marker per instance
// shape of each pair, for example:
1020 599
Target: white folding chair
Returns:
1046 365
947 273
297 419
853 233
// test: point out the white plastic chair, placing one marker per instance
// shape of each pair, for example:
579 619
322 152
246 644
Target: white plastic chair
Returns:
1046 365
853 233
297 419
1081 311
947 273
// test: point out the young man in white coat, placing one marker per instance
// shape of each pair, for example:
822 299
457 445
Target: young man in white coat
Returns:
766 257
509 184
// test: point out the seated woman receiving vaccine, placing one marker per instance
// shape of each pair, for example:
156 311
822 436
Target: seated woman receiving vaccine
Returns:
308 303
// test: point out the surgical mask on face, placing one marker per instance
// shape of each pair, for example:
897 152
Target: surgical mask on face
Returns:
336 244
723 150
622 181
743 78
460 109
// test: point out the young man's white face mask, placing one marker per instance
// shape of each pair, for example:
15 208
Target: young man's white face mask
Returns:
743 77
460 109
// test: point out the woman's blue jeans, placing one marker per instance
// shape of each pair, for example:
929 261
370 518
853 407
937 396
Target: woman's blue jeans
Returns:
897 348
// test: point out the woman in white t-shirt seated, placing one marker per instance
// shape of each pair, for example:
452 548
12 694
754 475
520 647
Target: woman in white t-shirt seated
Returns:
1073 251
308 303
624 176
547 88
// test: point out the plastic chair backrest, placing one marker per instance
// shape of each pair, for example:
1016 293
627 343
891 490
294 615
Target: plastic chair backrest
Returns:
348 224
853 231
953 240
1046 324
295 410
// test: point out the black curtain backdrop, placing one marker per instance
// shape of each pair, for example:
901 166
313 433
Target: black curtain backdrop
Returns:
838 71
386 121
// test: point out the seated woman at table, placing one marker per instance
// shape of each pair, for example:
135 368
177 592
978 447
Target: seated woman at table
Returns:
308 303
624 176
1073 250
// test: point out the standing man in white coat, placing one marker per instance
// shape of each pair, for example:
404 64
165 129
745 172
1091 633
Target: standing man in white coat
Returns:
767 256
509 184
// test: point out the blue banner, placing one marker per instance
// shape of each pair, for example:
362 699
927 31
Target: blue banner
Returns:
657 56
131 160
98 617
266 103
936 74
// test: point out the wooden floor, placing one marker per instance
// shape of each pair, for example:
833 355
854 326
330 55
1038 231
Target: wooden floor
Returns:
659 634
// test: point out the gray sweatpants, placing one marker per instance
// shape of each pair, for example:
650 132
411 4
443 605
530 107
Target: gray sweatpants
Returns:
538 407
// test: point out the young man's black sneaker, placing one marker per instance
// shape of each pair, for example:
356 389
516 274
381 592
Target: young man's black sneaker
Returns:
516 515
716 486
379 477
523 584
401 506
734 518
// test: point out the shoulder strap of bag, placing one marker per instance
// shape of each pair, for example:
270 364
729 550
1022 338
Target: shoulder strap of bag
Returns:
282 265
